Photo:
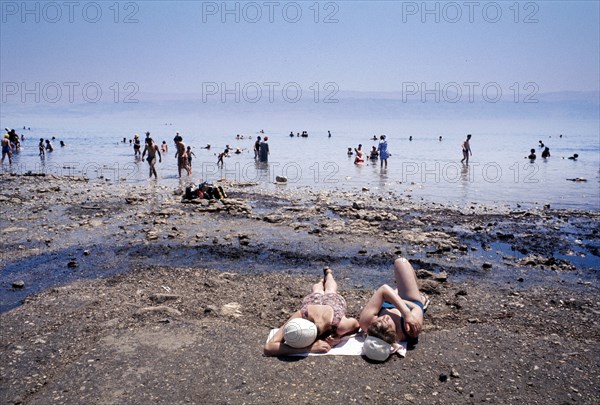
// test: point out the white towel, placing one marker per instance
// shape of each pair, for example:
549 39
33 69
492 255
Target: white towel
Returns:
350 345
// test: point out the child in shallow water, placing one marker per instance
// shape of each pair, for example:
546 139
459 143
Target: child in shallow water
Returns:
374 154
359 155
189 155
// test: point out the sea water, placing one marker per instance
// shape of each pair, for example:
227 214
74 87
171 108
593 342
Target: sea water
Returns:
423 168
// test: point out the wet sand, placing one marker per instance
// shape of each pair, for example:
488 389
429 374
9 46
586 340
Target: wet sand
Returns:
113 293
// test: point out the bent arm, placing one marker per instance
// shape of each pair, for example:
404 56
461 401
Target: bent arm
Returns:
347 326
273 349
276 346
371 310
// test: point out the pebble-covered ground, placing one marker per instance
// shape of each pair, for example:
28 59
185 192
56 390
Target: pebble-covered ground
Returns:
113 293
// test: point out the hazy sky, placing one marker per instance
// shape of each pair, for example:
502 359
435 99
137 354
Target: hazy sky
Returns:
175 47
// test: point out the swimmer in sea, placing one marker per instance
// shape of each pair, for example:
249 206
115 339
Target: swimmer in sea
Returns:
546 153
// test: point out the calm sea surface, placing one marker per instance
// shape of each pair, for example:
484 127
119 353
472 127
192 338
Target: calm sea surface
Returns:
425 167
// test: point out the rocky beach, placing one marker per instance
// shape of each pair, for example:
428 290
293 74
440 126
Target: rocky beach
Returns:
121 293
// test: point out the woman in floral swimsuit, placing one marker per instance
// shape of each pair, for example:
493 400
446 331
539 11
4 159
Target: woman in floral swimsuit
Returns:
327 310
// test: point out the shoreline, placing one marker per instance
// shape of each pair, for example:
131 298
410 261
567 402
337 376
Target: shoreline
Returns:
419 172
103 229
126 295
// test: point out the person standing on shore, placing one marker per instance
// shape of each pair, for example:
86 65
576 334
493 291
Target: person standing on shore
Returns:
181 156
264 150
6 149
382 148
152 150
466 149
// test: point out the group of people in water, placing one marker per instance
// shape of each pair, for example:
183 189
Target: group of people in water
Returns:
304 134
11 143
377 152
261 149
546 152
391 316
46 146
183 154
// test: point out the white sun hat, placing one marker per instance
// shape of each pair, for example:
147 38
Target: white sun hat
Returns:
299 332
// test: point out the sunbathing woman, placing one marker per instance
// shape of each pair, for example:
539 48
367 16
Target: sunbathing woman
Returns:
393 315
327 310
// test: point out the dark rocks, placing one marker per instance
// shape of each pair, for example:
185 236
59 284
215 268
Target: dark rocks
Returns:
132 200
555 264
429 275
430 287
211 310
358 205
273 219
443 377
487 265
504 236
72 264
18 284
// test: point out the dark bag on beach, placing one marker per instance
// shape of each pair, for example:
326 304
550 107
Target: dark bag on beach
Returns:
190 194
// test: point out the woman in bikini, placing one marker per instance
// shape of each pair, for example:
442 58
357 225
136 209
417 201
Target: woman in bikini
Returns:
327 310
393 315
